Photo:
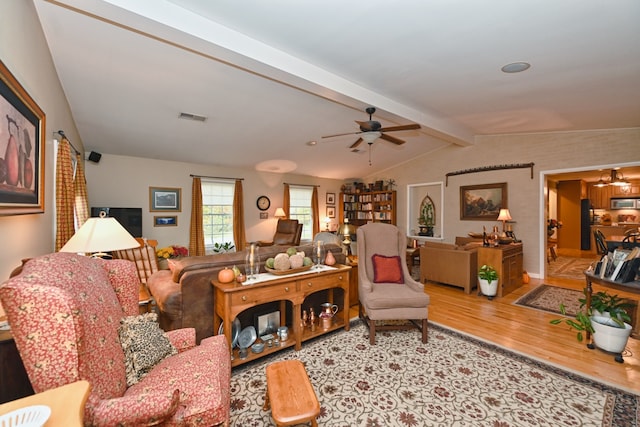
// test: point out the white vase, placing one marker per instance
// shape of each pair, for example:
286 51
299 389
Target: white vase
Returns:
609 338
488 289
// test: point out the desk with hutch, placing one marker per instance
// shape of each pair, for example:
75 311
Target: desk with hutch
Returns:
231 299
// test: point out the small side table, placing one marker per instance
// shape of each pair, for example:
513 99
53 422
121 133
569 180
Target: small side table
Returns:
66 403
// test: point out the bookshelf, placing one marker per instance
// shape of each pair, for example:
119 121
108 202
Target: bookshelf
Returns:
369 206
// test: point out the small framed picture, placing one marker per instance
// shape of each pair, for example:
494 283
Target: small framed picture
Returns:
331 211
165 221
264 215
164 199
267 323
331 198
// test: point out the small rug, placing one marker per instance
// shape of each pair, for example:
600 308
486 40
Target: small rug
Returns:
569 268
548 298
453 380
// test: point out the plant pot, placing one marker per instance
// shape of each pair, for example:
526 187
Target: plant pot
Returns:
488 289
609 338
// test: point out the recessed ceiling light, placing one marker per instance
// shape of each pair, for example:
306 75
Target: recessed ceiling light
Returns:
312 143
516 67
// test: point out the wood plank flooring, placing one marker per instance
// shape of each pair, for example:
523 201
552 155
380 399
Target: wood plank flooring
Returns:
527 331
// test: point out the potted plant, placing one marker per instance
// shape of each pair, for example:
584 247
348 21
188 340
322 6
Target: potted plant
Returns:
220 248
606 318
488 281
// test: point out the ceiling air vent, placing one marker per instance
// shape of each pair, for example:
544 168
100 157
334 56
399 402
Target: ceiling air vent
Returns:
194 117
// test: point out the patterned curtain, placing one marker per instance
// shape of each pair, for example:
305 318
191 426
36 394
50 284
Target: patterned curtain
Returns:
315 211
239 236
81 197
286 200
196 231
64 194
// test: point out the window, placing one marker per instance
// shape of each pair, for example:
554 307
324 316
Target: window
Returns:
300 209
217 213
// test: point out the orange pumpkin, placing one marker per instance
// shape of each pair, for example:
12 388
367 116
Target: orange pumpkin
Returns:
226 275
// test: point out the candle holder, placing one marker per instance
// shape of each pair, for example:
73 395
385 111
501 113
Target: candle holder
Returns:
252 261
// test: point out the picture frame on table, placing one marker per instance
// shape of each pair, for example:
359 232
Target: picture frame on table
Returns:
22 142
483 201
331 198
163 199
165 221
267 322
331 211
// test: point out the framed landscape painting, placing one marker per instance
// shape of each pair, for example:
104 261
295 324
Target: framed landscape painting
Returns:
482 202
164 199
22 125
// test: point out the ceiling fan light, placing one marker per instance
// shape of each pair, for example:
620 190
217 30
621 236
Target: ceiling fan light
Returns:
370 137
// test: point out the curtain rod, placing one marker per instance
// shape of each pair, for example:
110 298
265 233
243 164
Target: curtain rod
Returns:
61 132
214 177
302 185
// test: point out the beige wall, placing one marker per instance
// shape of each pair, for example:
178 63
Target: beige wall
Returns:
24 51
121 181
526 197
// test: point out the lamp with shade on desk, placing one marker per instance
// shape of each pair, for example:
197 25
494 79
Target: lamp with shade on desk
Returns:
98 236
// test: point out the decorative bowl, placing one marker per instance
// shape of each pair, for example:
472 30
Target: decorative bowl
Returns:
289 271
31 416
257 347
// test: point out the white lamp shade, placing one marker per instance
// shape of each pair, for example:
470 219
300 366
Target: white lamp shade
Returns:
279 213
100 235
504 215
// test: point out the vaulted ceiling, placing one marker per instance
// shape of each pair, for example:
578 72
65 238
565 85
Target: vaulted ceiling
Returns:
272 76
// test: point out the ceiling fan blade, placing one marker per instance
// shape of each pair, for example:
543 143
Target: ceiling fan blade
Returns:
392 139
355 144
402 127
340 134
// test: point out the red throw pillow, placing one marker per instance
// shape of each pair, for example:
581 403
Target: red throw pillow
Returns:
387 269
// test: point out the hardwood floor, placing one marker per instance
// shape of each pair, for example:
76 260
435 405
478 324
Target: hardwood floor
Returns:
527 331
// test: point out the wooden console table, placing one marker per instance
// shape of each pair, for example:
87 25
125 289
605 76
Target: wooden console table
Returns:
66 403
507 260
230 299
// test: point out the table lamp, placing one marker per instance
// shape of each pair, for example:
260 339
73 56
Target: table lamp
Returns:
100 235
346 230
279 213
504 216
327 220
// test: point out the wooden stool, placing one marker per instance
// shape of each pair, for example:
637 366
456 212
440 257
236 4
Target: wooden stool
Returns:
290 394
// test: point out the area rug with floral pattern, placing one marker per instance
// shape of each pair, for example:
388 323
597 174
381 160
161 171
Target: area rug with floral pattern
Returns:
453 380
569 268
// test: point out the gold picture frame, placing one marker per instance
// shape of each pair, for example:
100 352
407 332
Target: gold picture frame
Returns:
483 201
22 144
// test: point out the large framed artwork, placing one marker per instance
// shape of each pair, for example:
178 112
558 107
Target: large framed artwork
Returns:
482 202
22 129
164 199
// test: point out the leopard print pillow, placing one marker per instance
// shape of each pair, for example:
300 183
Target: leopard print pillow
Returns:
144 345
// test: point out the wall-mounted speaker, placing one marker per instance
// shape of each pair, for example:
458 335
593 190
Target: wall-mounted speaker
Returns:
94 156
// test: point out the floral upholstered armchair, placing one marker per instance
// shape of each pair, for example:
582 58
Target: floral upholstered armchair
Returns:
70 315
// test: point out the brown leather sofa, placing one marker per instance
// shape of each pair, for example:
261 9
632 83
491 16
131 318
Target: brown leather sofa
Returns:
451 264
184 294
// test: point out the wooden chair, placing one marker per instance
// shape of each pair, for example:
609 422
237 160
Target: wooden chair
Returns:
144 256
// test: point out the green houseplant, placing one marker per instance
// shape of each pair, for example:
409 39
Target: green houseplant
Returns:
606 318
488 280
220 248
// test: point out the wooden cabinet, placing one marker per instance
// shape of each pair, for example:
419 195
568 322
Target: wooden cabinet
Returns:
373 206
231 299
507 260
631 190
13 377
599 196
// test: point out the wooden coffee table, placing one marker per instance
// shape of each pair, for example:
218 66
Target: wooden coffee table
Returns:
290 394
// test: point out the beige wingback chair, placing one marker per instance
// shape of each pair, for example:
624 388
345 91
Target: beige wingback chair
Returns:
386 289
